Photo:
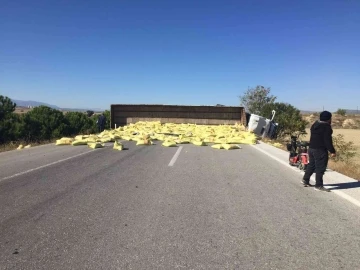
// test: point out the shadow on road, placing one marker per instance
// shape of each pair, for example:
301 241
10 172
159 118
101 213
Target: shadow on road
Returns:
343 185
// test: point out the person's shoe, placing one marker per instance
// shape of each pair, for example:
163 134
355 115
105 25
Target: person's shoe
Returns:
305 183
321 188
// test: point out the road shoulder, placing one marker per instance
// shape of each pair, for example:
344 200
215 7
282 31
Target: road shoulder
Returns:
344 186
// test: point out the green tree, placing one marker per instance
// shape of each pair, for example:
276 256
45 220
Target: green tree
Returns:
7 119
341 112
79 123
7 107
107 116
255 98
44 123
288 117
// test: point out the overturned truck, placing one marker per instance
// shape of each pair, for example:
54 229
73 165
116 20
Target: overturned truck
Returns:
124 114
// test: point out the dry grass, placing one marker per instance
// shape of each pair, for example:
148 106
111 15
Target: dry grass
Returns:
351 121
13 145
349 169
22 110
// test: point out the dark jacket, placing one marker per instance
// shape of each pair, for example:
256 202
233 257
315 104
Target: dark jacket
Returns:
321 136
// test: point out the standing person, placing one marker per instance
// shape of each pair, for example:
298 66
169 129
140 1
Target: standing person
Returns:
101 122
320 144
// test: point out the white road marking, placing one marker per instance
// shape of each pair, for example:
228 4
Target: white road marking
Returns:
337 192
175 157
44 166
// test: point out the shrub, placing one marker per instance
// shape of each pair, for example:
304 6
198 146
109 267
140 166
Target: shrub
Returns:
79 123
345 151
341 112
44 123
7 119
107 116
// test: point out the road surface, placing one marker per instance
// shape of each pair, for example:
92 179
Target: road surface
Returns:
152 207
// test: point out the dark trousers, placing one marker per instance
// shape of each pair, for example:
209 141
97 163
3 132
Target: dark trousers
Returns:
318 161
101 129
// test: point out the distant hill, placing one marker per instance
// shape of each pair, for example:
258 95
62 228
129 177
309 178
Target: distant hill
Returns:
27 103
352 112
31 103
81 110
347 112
307 112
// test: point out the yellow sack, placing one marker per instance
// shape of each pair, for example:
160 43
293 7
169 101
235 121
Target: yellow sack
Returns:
220 141
79 137
230 146
20 147
217 146
127 138
210 139
118 146
64 141
92 139
106 139
199 143
96 145
160 137
114 137
79 142
234 140
169 144
144 142
183 140
28 146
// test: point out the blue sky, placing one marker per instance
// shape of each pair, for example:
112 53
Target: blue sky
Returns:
96 53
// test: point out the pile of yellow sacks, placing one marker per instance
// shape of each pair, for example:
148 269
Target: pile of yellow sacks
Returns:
146 132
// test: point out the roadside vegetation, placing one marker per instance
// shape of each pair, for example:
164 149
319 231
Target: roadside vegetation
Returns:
259 101
42 124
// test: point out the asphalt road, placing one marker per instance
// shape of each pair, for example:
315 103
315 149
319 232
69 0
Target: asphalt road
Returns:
65 207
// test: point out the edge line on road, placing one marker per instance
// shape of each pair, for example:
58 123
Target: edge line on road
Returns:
175 157
337 192
44 166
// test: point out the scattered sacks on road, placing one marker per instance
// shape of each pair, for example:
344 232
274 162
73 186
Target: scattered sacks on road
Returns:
146 132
